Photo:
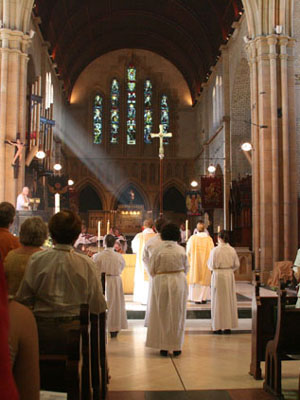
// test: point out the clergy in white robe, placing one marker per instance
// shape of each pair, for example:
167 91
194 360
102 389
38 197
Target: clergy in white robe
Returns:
296 269
112 263
141 278
223 261
198 250
149 247
168 267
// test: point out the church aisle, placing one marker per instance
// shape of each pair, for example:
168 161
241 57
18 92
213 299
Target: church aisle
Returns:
217 364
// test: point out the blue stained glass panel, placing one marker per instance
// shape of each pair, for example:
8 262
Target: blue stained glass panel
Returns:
98 119
165 115
148 113
131 105
115 111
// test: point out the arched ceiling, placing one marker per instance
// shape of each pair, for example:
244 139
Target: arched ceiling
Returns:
186 32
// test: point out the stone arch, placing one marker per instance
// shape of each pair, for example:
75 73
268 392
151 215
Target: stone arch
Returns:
132 183
173 183
89 199
96 185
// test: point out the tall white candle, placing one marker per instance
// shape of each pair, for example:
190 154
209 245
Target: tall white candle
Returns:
99 229
219 228
107 230
57 203
186 230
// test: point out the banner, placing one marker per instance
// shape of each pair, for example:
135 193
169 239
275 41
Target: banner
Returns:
193 203
212 192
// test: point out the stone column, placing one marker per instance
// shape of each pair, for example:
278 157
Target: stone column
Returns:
227 135
13 56
274 154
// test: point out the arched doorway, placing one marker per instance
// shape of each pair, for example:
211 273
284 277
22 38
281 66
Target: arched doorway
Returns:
88 200
174 205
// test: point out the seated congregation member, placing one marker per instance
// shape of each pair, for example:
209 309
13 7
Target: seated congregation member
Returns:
112 263
33 234
57 281
24 351
7 240
296 270
8 389
223 261
168 267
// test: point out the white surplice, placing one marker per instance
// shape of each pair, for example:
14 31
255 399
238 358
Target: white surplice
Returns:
112 263
296 269
141 279
149 247
168 267
223 261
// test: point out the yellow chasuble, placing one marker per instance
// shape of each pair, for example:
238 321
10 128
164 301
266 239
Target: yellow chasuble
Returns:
144 237
198 250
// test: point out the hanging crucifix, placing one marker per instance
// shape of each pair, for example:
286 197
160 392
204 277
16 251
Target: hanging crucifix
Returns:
161 135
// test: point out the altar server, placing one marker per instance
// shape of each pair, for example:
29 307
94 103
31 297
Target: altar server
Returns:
112 263
141 279
223 261
168 267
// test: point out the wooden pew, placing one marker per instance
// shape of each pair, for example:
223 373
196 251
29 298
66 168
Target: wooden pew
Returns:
284 346
263 326
70 372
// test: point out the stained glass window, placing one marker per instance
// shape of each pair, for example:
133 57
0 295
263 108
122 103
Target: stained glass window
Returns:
131 105
164 115
148 113
115 111
98 119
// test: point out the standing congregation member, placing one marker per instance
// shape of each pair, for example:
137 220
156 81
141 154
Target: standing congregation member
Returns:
223 261
33 234
57 281
198 250
149 247
168 267
8 241
141 279
112 263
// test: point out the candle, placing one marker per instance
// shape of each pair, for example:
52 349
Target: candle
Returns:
186 230
57 203
107 230
99 229
219 228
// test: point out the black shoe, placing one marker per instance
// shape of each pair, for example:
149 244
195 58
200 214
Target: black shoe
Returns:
227 331
164 353
114 334
218 332
176 353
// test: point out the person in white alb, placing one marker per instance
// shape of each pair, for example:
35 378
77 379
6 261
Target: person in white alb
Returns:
223 261
296 270
149 247
112 263
141 278
168 267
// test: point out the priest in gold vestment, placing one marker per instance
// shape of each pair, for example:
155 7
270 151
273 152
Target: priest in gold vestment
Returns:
199 247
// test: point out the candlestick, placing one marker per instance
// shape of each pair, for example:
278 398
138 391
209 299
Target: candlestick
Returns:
219 228
99 229
107 230
186 230
57 203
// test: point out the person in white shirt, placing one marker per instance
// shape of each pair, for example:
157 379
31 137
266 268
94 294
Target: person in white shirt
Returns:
168 267
223 261
112 263
23 200
57 281
141 278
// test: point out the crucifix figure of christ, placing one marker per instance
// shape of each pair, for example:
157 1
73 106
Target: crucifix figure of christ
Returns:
161 135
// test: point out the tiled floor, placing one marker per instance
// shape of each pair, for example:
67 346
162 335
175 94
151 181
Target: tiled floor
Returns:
212 367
